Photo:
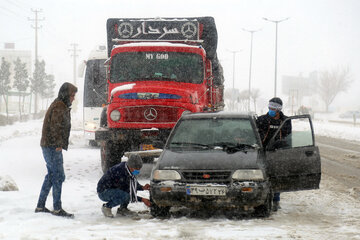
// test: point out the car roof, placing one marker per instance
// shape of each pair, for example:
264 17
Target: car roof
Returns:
220 114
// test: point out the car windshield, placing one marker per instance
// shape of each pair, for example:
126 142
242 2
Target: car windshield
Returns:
213 133
160 66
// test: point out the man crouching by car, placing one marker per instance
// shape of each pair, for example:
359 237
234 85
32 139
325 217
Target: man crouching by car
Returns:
118 186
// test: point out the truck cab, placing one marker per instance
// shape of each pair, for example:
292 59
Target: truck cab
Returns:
157 70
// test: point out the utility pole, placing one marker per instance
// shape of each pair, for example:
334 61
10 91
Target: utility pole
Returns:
276 40
36 27
74 51
233 86
251 47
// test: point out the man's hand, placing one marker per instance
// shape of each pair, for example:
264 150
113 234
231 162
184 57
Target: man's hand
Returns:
58 149
146 202
146 187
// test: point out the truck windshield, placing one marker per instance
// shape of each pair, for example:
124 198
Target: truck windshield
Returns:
160 66
212 133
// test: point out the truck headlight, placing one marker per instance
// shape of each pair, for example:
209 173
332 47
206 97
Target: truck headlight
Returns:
248 174
115 115
166 175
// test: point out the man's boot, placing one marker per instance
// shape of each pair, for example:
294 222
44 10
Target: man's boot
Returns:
106 211
276 206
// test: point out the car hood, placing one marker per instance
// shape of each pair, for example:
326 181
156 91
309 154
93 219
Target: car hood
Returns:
208 160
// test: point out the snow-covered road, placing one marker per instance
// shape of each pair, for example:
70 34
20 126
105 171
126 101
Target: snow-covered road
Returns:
332 212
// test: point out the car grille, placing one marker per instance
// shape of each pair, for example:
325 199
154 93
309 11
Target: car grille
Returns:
207 176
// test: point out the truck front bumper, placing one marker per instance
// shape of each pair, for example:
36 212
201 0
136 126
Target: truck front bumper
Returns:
114 134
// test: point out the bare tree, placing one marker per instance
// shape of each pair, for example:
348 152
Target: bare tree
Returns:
331 83
231 97
21 82
243 100
5 83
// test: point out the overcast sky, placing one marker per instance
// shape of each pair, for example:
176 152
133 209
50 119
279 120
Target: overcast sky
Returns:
319 35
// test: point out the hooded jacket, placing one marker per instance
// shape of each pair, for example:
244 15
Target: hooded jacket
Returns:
57 121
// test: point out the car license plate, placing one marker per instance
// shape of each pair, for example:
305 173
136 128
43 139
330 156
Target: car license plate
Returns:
205 190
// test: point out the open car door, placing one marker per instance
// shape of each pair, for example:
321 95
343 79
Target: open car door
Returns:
293 162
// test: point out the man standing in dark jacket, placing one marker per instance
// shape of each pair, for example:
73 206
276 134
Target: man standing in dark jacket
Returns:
55 138
118 186
267 125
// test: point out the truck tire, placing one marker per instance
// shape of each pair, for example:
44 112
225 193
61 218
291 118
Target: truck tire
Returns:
111 154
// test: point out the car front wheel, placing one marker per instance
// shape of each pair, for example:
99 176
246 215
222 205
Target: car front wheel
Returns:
265 209
157 211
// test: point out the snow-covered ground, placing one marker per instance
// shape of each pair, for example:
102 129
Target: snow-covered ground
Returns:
319 214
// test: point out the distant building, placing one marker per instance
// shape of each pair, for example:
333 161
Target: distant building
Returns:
301 91
11 54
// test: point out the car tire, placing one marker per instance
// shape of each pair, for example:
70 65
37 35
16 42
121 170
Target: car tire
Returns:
157 211
265 209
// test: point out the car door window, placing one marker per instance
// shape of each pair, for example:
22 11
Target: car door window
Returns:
300 135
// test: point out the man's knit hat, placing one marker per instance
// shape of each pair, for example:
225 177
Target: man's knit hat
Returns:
276 103
135 161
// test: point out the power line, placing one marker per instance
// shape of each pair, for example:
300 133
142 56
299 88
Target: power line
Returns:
11 11
17 5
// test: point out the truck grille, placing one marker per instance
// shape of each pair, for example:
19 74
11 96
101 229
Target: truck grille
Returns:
207 176
151 114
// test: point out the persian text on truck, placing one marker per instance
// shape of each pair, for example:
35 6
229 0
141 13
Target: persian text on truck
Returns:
158 70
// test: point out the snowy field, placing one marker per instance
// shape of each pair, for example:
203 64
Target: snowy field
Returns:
328 213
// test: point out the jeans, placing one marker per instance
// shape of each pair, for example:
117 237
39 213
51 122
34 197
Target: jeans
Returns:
114 197
54 178
276 197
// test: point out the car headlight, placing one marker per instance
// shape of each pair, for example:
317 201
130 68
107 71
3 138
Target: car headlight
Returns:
248 174
166 175
115 115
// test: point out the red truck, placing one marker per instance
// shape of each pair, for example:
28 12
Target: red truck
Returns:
158 69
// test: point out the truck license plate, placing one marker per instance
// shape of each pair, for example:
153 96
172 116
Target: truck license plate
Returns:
205 190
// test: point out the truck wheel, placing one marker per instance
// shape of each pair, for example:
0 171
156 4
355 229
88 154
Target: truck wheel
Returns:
111 154
157 211
265 209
